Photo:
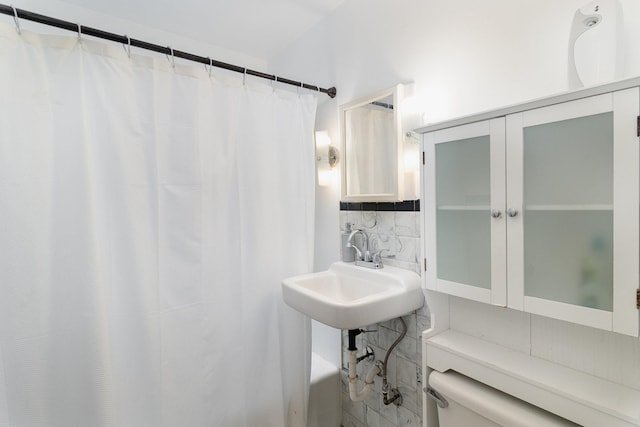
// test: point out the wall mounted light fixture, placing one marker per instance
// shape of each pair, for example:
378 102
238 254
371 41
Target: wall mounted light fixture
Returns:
327 158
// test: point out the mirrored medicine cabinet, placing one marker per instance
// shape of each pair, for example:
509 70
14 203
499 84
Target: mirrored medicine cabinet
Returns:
375 149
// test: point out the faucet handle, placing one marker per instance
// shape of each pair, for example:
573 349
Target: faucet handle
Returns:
377 256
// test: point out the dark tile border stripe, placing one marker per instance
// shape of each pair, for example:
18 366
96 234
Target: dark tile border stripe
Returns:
404 206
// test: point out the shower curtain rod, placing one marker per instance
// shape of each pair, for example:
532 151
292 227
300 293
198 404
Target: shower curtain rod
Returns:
70 26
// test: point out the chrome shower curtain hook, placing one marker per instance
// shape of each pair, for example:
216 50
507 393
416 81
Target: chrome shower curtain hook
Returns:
127 47
244 77
15 18
79 33
172 58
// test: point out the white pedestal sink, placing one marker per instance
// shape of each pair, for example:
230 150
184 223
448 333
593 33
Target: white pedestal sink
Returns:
347 296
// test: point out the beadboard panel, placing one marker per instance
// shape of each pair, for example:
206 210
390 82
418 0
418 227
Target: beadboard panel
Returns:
600 353
503 326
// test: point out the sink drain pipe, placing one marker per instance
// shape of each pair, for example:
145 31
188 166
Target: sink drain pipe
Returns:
390 395
354 394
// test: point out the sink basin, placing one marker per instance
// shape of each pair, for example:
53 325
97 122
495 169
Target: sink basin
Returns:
347 296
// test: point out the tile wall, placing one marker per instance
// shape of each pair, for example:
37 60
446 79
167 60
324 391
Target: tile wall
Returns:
396 228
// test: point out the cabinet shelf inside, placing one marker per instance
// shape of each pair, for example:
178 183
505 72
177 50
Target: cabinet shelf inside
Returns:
592 207
540 208
475 208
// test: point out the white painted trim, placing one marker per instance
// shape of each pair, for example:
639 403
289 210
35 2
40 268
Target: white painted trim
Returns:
626 213
472 130
439 307
536 103
586 316
569 110
464 291
428 207
498 200
515 226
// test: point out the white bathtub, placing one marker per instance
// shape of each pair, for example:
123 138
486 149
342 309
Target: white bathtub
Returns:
324 394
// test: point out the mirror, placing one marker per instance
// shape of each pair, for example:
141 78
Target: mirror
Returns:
373 149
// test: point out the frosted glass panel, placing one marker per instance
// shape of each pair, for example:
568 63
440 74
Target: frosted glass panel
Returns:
462 173
464 247
569 257
569 162
568 216
463 219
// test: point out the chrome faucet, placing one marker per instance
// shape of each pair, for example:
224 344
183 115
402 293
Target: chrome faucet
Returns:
363 256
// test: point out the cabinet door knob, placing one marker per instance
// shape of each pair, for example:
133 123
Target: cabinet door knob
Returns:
512 212
496 213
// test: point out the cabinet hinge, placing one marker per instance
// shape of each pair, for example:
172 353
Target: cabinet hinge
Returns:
638 299
424 162
638 127
425 266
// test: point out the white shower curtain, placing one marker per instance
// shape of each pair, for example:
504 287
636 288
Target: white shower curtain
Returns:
147 218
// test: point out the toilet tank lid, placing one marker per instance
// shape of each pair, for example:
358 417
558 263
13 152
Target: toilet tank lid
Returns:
490 403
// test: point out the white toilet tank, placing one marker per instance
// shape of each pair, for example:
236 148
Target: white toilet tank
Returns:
471 403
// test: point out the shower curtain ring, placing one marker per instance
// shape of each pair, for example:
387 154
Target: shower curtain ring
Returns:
15 18
79 33
171 59
273 83
127 47
244 77
210 66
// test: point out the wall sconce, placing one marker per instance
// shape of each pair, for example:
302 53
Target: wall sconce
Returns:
327 158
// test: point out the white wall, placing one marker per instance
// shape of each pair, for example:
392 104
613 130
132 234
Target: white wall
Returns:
465 56
86 17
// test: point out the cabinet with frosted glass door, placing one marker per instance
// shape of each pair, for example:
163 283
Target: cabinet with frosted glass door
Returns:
465 228
554 195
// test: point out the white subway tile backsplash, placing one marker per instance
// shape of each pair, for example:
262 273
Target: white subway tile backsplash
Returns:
406 224
373 418
369 220
407 372
409 397
407 418
355 409
408 249
385 223
389 413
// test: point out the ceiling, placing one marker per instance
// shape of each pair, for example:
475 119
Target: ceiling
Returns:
259 28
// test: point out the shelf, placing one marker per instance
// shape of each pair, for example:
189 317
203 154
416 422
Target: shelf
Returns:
568 208
532 208
478 208
571 394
